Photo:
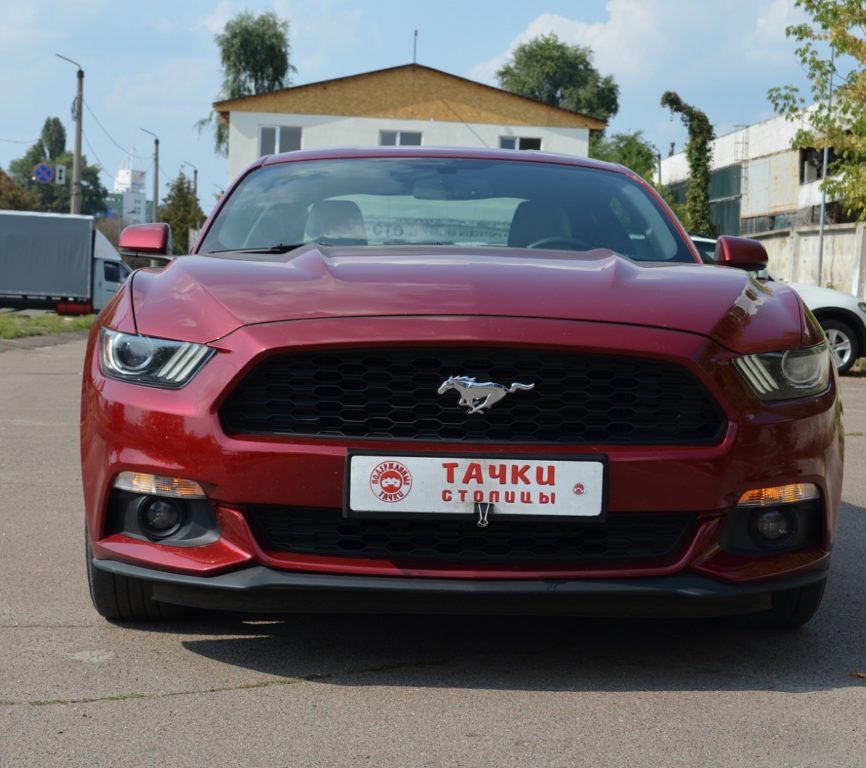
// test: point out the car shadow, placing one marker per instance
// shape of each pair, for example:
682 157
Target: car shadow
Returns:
558 653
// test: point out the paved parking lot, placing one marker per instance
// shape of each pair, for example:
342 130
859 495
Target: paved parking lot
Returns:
353 691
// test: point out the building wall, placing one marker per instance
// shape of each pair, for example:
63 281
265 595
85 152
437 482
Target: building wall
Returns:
321 131
771 169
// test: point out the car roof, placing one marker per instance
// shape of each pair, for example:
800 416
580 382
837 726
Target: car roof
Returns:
534 156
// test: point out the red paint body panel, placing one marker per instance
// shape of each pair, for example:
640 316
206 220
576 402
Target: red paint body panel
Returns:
178 433
205 298
248 307
146 239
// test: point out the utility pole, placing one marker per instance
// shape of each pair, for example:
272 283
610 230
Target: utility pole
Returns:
824 175
154 217
77 110
194 189
194 178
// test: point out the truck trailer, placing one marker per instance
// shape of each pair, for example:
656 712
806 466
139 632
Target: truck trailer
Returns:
61 261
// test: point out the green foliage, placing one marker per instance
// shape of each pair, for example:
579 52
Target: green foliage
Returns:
18 325
254 53
562 75
52 198
839 117
696 217
14 197
182 211
628 149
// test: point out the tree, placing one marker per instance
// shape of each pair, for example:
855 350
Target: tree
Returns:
699 154
562 75
51 148
628 149
53 138
838 119
182 211
14 197
254 53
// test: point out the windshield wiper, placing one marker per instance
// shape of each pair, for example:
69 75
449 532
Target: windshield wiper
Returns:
279 248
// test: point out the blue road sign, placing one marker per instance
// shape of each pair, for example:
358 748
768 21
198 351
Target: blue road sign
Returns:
43 173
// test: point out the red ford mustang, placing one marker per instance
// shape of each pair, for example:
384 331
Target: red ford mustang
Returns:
456 380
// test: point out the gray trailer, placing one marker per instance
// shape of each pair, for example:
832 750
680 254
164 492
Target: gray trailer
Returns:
57 260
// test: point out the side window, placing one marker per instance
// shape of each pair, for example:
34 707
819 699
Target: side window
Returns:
112 272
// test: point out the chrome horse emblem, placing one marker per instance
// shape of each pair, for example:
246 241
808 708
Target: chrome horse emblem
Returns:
477 396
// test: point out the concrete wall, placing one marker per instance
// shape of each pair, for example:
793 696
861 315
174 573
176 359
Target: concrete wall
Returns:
793 256
319 131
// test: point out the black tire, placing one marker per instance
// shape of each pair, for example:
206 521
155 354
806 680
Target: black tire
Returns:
843 343
120 598
791 608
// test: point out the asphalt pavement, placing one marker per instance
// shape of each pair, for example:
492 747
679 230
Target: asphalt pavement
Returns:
76 690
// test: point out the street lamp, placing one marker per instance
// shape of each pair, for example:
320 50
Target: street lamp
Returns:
194 178
75 197
154 213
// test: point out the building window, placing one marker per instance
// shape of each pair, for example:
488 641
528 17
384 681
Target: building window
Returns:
519 142
400 138
278 138
812 163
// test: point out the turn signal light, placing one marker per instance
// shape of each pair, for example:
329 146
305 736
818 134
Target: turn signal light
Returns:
780 494
157 485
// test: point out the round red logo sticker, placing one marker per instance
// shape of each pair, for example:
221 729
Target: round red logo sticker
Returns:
391 481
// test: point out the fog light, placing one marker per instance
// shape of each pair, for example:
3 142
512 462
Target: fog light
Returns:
774 525
773 528
161 518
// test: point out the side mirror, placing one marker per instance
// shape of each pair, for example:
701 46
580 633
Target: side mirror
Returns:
740 252
146 240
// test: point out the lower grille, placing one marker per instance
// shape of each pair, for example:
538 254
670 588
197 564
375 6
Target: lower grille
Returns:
620 539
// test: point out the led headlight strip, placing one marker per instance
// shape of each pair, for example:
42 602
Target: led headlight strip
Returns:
150 361
787 375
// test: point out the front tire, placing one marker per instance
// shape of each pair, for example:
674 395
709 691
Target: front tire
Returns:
120 598
791 608
843 344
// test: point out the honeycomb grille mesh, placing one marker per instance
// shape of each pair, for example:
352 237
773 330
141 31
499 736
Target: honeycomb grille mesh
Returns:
392 394
621 538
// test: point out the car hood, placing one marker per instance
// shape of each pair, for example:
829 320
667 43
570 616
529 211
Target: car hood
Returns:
203 298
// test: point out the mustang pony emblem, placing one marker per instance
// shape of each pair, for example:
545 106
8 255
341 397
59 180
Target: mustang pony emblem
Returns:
479 395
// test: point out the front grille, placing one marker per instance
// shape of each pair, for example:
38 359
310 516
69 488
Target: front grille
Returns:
619 539
392 394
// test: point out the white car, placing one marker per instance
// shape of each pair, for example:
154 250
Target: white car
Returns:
841 315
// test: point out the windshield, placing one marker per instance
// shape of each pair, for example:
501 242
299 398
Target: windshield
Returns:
443 201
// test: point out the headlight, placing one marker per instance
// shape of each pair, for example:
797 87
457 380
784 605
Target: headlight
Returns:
786 375
153 362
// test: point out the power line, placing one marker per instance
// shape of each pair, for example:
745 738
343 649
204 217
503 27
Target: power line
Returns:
99 163
123 149
16 141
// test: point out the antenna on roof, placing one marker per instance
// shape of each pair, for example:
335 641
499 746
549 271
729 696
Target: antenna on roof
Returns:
415 48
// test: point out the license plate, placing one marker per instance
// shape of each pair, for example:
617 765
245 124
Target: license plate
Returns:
448 485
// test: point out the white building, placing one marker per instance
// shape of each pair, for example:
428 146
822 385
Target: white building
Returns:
763 188
410 104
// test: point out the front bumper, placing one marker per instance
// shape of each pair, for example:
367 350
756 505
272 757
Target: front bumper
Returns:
259 589
178 433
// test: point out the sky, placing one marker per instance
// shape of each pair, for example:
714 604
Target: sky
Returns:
154 65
